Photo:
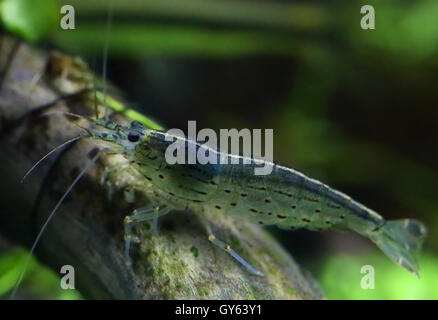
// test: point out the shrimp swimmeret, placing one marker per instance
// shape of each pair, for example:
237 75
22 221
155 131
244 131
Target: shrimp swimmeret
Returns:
285 197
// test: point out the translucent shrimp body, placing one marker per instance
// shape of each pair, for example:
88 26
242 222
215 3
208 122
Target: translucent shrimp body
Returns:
285 197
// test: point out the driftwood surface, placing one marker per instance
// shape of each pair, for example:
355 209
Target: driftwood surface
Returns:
87 231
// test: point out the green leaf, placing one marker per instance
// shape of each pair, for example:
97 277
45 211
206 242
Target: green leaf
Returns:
38 281
30 19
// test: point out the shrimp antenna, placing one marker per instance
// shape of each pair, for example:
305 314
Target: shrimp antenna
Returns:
67 114
49 153
105 53
89 133
49 218
96 111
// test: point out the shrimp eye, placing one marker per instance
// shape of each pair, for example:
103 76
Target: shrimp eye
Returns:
136 124
133 136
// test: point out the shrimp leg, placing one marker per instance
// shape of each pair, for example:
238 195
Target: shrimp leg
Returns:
212 238
139 215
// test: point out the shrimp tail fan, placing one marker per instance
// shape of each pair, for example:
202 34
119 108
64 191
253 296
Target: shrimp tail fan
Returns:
398 239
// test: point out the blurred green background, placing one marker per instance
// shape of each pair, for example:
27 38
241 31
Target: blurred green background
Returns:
354 108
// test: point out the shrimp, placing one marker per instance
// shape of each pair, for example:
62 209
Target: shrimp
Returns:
286 198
